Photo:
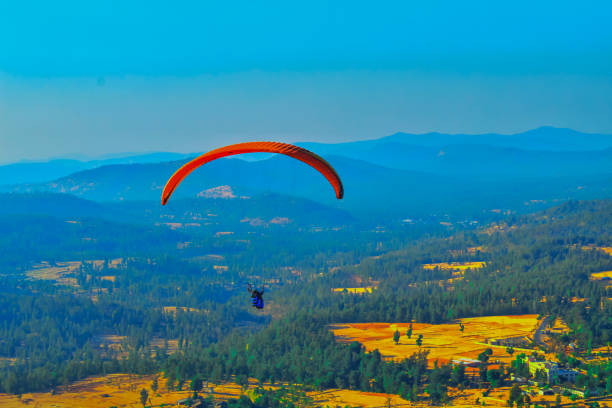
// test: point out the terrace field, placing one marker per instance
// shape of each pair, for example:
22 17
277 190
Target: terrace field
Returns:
444 342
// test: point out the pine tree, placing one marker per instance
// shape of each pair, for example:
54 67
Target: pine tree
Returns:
144 396
154 385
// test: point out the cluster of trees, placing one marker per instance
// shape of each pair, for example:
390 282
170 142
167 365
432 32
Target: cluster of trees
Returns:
302 350
51 335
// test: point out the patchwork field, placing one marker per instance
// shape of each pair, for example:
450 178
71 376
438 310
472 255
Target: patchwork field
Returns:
123 390
59 272
62 272
445 342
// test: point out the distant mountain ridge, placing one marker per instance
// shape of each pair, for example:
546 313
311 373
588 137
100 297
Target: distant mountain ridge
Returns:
388 177
372 191
400 150
41 171
545 138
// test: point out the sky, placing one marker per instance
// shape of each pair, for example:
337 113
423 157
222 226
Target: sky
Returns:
84 79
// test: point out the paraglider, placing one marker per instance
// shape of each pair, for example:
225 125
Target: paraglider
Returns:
256 297
295 152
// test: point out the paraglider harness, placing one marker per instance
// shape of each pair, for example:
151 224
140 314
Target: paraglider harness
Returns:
256 296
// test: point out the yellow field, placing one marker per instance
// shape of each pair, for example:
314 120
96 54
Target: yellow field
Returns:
444 342
455 266
503 227
160 343
367 289
57 273
607 250
122 390
61 271
559 326
339 397
601 275
174 309
6 361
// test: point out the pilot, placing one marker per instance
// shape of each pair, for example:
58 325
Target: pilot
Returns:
256 297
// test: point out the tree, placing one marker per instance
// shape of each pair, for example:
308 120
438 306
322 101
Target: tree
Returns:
484 356
482 371
494 377
541 375
196 385
144 396
170 384
396 337
461 327
419 340
510 350
589 346
243 381
154 385
409 332
458 375
516 395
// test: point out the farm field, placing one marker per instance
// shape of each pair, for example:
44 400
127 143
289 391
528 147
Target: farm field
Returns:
601 275
607 250
455 266
123 390
444 342
61 272
367 289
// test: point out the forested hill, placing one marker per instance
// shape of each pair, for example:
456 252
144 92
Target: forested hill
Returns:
373 192
538 263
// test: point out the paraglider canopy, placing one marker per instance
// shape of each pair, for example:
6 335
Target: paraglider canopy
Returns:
296 152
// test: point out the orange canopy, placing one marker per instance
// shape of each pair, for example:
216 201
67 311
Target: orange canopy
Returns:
253 147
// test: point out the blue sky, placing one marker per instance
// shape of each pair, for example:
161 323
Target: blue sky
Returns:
87 78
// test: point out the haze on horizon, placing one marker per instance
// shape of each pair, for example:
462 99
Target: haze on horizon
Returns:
89 79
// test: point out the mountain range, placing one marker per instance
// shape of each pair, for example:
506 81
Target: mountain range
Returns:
397 176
